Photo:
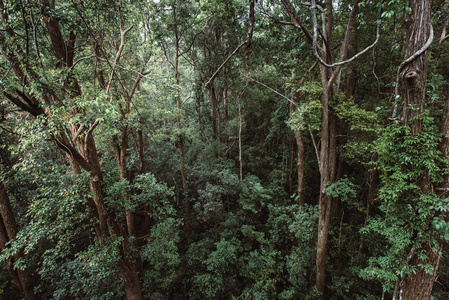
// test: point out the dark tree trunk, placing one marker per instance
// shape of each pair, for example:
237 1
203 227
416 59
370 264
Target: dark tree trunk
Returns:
324 204
213 99
8 232
417 285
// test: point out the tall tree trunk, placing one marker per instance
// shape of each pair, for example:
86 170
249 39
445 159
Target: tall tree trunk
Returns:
419 284
300 156
213 99
181 140
300 167
324 204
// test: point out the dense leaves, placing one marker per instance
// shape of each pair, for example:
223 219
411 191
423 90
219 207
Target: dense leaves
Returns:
148 152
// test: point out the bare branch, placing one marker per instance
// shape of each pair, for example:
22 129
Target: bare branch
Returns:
341 62
274 91
185 100
224 63
81 59
316 148
118 55
79 131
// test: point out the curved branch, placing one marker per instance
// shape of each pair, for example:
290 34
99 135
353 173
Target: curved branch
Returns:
340 63
412 58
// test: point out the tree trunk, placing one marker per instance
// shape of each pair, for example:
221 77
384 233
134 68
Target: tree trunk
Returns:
8 232
213 99
413 76
419 284
324 204
300 156
370 200
300 166
130 278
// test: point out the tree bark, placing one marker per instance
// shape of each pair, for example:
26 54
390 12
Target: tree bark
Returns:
419 284
300 156
8 232
414 75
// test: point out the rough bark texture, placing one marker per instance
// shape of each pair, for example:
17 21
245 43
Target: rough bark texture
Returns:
413 76
324 204
420 284
417 285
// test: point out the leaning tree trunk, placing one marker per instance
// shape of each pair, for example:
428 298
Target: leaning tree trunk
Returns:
413 76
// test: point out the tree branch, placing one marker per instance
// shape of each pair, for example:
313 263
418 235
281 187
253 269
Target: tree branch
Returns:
224 63
118 55
295 19
341 62
412 58
273 90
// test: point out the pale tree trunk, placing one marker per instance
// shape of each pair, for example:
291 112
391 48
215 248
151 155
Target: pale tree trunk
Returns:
300 156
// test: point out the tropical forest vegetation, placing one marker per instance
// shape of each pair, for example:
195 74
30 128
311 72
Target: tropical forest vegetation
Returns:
224 149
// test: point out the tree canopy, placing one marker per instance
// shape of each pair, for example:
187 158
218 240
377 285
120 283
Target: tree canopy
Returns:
179 149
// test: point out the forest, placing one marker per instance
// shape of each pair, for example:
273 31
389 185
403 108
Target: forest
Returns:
224 149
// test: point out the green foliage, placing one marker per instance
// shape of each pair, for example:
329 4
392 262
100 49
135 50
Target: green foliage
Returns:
363 128
404 160
163 256
157 196
249 239
306 117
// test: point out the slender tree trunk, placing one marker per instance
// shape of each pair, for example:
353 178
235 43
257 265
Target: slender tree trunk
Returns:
142 169
121 153
213 99
291 160
370 199
300 156
300 166
181 141
240 140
